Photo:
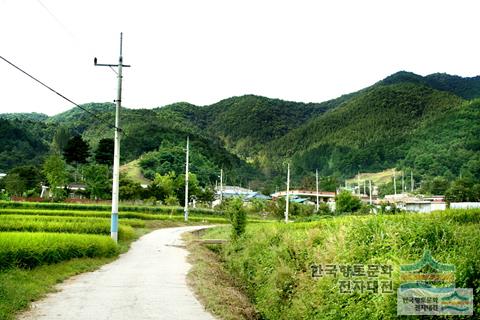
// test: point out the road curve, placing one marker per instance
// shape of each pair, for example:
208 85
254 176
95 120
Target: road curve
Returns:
147 282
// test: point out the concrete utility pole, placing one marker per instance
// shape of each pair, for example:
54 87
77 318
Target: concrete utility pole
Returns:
318 196
185 210
116 152
394 182
288 193
221 185
370 191
358 182
403 182
411 181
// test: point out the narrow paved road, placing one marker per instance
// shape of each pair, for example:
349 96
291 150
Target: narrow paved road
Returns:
148 282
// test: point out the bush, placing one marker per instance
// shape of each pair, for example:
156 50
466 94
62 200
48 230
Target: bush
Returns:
238 217
346 202
273 261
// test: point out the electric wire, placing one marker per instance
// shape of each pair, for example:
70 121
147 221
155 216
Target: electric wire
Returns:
59 94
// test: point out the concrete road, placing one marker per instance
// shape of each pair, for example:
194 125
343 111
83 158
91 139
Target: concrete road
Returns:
147 282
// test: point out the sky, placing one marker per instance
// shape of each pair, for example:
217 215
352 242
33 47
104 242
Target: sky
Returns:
205 51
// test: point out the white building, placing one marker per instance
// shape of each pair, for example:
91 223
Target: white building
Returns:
465 205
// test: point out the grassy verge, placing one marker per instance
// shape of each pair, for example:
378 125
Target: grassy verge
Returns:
19 287
212 284
272 262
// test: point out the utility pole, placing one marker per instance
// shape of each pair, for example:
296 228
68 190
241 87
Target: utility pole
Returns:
221 185
185 210
288 193
394 182
358 182
403 182
316 178
116 152
370 191
411 181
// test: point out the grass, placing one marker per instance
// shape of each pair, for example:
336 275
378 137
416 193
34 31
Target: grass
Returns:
133 171
104 207
136 223
19 287
213 286
272 262
378 178
28 250
44 224
195 218
31 264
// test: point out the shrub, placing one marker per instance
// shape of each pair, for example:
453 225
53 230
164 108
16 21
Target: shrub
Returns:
238 217
273 261
346 202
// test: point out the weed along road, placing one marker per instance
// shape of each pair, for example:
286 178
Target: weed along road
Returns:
147 282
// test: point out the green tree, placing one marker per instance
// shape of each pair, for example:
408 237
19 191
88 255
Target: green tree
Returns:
130 190
60 139
171 201
346 202
463 190
276 208
31 175
206 195
104 152
55 171
238 217
15 185
97 179
76 150
193 187
162 186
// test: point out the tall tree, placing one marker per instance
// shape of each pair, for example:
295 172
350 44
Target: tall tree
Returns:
60 139
55 171
31 175
97 179
76 150
345 202
104 152
15 185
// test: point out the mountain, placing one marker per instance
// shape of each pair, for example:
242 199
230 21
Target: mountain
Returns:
32 116
245 123
372 131
23 142
427 123
466 88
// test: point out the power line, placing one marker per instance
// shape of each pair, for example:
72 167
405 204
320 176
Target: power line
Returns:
56 19
59 94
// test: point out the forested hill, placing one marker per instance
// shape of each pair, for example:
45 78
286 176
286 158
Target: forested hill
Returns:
245 124
427 123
